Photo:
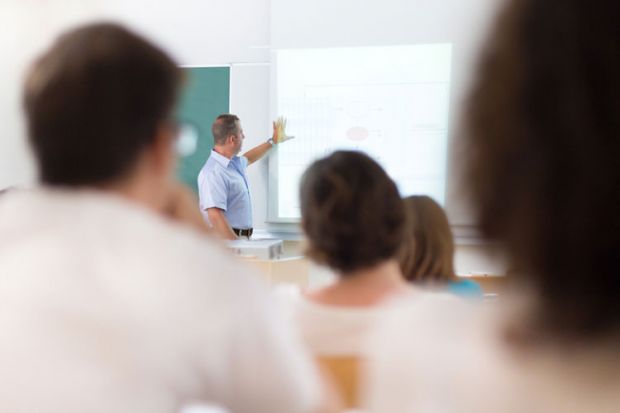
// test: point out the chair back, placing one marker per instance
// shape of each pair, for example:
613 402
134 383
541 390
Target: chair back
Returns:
345 373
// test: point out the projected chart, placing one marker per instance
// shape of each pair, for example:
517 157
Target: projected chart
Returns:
389 102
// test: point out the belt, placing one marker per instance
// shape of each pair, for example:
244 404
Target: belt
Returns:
243 232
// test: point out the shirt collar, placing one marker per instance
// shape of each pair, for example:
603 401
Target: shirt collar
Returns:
219 158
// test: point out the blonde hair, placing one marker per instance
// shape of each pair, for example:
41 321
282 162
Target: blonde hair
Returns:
428 250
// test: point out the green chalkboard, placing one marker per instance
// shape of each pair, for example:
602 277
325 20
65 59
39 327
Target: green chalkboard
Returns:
206 95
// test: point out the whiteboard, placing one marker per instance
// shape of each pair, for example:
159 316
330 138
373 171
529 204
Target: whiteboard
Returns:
390 102
300 24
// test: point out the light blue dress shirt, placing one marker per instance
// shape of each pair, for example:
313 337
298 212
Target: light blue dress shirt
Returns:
222 183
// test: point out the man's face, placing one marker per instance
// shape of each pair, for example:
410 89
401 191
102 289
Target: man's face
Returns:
239 137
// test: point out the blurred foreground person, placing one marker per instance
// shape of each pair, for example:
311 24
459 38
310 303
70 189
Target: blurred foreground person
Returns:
107 304
427 257
543 142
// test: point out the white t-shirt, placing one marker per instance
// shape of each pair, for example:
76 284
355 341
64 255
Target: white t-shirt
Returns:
443 356
329 330
107 307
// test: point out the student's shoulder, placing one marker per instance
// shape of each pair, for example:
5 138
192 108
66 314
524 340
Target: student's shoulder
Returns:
178 240
430 319
147 233
176 253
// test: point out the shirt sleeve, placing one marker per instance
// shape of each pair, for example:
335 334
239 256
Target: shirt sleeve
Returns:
244 162
213 191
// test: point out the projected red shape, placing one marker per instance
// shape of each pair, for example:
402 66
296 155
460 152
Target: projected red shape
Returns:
357 133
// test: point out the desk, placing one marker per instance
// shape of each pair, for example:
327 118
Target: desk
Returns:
291 270
490 284
265 249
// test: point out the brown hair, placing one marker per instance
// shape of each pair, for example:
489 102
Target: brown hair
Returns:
542 133
428 252
94 100
351 212
224 126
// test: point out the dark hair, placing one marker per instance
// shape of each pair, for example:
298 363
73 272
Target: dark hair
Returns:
224 126
351 212
94 101
543 124
428 249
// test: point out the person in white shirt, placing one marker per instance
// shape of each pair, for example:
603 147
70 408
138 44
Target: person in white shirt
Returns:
353 218
107 305
542 166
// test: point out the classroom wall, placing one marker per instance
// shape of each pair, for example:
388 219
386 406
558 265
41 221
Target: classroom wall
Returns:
195 32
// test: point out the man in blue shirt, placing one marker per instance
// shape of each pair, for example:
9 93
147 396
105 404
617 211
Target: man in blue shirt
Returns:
222 182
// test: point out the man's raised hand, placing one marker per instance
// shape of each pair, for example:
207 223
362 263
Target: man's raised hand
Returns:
279 131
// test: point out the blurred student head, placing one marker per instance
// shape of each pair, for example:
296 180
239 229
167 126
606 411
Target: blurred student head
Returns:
351 212
428 248
99 108
542 135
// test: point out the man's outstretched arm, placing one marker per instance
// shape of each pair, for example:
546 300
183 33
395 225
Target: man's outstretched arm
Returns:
279 135
257 152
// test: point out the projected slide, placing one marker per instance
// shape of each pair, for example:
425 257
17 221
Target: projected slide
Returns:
389 102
